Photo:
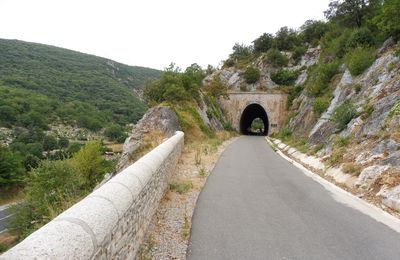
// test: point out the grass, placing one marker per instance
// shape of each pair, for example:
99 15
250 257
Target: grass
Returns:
186 227
181 188
150 141
352 168
10 196
202 172
336 157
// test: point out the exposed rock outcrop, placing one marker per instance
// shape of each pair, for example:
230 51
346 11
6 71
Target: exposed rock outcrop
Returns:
160 118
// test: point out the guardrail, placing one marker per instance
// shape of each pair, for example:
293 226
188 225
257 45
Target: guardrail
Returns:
111 221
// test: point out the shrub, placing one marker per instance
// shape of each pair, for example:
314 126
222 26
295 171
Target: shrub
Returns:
320 105
90 164
284 133
395 110
359 60
294 92
251 75
320 77
398 49
181 188
263 43
352 168
63 142
243 88
49 143
216 88
340 141
343 114
361 37
229 63
284 77
336 157
368 110
357 88
228 126
115 133
11 168
276 58
298 52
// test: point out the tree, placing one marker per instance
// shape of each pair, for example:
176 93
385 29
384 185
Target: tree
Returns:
263 43
11 168
388 19
351 12
49 143
216 88
240 51
251 75
276 58
90 164
115 133
312 31
286 39
63 142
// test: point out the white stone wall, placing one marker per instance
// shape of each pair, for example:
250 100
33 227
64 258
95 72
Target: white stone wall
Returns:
111 221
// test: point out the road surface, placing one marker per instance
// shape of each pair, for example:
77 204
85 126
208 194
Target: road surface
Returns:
5 215
257 205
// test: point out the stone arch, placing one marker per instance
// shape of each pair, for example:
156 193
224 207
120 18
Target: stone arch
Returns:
249 113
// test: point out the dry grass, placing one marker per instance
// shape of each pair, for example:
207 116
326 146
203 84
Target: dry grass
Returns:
12 195
150 141
352 168
116 148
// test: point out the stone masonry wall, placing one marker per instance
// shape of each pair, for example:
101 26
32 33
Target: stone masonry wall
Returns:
111 221
273 104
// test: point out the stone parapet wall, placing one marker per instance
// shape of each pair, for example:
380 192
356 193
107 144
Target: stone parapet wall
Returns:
111 221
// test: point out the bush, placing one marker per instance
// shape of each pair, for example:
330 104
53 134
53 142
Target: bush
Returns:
276 58
361 37
320 77
343 114
359 60
115 133
49 143
216 88
263 43
284 77
63 142
251 75
11 168
90 164
320 105
294 92
352 168
298 52
284 133
398 49
229 63
368 110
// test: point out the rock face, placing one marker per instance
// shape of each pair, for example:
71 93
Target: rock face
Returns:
373 136
160 118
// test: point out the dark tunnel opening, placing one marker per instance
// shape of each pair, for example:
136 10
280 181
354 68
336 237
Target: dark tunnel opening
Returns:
250 113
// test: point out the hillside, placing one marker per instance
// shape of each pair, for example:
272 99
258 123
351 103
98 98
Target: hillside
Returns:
344 93
67 86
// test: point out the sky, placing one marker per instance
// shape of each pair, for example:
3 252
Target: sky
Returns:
152 33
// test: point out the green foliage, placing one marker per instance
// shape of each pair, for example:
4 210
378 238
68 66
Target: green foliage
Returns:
294 92
241 51
340 141
361 37
349 12
263 43
395 111
320 77
49 143
298 52
343 114
56 185
358 60
181 188
216 88
64 84
368 110
320 104
175 86
228 63
286 39
11 168
284 77
358 88
256 125
251 75
63 142
90 164
284 133
115 133
334 43
312 31
276 58
388 18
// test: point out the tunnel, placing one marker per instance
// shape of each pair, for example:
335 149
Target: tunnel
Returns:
249 115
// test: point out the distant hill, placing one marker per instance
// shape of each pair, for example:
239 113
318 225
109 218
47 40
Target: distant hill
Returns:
68 86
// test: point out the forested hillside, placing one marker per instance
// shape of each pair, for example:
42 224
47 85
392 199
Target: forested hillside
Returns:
67 86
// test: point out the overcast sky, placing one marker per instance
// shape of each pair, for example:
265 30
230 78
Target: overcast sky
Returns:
152 33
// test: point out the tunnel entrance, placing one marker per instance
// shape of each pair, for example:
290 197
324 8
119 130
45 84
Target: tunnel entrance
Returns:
254 120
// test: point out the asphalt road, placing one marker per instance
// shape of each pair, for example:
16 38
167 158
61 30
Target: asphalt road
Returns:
257 205
5 215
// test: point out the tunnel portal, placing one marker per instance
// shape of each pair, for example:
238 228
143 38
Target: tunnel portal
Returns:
249 114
